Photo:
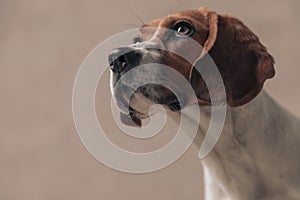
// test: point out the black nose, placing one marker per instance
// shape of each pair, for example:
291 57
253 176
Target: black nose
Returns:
123 58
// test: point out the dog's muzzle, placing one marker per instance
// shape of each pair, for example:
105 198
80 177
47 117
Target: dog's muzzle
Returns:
122 60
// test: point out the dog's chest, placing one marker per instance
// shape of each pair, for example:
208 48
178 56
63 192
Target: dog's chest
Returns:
231 167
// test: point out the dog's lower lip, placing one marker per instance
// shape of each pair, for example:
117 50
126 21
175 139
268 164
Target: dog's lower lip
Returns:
122 102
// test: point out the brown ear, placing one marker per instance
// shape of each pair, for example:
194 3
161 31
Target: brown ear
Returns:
242 61
212 19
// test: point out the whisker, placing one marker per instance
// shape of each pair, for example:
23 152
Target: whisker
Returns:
133 25
163 2
169 7
136 15
176 7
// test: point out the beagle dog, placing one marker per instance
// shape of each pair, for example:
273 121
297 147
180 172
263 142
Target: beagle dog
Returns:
257 156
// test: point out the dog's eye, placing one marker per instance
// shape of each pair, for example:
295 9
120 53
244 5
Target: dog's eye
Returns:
184 29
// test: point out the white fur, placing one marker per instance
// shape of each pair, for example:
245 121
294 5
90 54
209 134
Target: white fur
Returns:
257 156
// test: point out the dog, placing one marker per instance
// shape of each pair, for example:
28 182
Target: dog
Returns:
257 154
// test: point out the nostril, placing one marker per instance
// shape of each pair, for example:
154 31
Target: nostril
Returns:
121 57
113 56
131 57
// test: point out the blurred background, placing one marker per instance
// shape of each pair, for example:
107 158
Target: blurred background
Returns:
43 43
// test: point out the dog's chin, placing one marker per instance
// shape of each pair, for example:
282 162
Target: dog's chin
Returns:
145 97
132 109
135 106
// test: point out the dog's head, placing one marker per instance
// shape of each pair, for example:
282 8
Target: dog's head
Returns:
243 62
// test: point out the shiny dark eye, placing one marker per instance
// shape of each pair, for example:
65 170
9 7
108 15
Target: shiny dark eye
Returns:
184 29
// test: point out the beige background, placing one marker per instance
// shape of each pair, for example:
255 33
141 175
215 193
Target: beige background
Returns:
42 44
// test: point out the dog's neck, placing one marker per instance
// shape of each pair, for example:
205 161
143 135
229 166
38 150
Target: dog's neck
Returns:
237 121
244 148
253 119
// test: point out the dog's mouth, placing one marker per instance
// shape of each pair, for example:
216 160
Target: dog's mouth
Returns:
159 94
144 97
138 73
136 107
138 81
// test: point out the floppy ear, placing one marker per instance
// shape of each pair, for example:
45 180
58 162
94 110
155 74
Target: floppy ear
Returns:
212 19
242 61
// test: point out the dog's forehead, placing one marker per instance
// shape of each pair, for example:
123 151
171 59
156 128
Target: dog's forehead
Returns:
195 17
190 15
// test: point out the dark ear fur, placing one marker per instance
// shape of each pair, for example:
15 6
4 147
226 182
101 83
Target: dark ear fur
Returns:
242 60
